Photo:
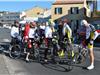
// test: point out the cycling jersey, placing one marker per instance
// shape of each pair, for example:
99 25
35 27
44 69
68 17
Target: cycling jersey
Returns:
14 32
91 35
91 32
26 31
67 32
48 32
42 27
32 32
42 30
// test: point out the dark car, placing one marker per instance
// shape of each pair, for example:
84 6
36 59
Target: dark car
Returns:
97 26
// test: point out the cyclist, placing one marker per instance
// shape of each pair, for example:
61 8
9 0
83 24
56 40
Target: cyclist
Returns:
33 30
48 38
81 32
31 37
91 35
26 38
67 34
41 32
16 38
26 31
60 28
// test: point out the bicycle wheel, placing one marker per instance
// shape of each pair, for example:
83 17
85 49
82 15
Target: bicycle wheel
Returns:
70 56
84 54
15 51
36 53
81 55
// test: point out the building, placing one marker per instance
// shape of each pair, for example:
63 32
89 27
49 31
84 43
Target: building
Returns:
38 14
45 17
74 10
34 12
95 13
9 17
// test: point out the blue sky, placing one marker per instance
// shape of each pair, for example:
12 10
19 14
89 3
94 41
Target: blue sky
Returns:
98 7
21 5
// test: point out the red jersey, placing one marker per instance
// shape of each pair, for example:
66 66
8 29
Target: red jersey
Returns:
26 30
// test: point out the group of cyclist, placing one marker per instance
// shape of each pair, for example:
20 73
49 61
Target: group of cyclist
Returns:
45 33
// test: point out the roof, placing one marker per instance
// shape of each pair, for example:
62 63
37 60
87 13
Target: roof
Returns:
98 11
68 2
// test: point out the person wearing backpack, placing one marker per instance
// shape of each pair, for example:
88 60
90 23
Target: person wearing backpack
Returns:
91 35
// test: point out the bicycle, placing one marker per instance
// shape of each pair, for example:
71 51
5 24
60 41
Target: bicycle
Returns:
67 58
14 48
34 50
81 54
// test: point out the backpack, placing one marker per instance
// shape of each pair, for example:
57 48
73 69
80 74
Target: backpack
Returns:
92 27
93 34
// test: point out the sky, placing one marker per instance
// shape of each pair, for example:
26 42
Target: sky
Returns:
98 5
21 5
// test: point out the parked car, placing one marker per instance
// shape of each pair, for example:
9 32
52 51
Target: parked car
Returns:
97 26
97 41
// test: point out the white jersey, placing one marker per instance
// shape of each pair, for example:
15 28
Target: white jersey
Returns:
66 27
48 32
14 32
32 32
42 27
89 30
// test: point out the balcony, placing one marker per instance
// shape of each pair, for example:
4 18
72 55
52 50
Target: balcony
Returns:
88 12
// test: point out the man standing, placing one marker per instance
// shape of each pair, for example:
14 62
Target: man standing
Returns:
91 35
48 38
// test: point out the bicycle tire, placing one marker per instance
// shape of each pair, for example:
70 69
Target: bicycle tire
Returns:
14 51
81 56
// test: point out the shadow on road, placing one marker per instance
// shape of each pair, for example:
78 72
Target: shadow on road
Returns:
57 67
4 48
63 67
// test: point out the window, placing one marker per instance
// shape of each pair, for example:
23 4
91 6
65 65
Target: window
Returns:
58 10
7 17
84 11
77 24
74 10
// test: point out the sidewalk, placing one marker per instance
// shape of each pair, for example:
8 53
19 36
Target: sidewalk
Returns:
3 66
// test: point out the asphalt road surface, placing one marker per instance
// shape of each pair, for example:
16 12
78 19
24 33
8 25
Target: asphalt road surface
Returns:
10 66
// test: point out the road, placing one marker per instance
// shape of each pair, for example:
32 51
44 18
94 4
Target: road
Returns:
10 66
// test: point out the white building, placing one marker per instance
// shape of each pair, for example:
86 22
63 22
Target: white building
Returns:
9 17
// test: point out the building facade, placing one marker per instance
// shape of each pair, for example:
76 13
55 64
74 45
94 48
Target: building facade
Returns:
38 13
74 11
95 13
34 12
